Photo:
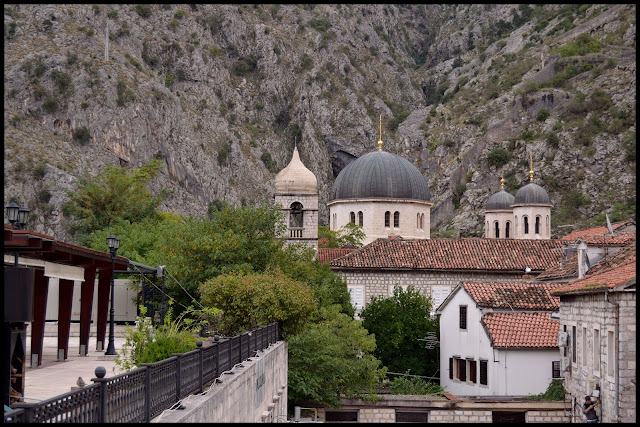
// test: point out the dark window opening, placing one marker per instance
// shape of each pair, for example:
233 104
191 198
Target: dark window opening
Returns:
506 230
411 416
463 317
451 368
507 417
396 219
352 217
387 218
525 221
472 371
296 215
537 225
483 372
497 224
555 369
462 369
573 344
341 416
564 349
360 217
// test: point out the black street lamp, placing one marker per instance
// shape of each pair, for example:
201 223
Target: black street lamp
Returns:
17 216
113 243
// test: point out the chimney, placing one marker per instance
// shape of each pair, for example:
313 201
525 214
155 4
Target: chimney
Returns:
582 260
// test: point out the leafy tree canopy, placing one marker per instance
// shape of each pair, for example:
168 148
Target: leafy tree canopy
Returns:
398 322
257 299
350 234
115 194
333 357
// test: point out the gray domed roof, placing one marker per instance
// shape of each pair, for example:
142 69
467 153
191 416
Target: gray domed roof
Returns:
531 194
380 174
500 201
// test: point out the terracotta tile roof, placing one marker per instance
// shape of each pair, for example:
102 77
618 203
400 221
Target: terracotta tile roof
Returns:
607 278
529 296
617 239
574 235
455 254
522 329
328 254
565 269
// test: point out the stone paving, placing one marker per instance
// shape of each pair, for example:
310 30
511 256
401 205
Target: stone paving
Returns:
53 378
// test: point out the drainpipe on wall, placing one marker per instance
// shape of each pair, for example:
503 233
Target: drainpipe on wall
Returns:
617 311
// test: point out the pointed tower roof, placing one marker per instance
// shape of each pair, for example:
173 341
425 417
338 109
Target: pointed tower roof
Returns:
296 177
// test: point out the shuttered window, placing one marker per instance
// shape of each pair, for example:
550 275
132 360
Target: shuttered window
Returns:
483 372
462 369
472 371
555 369
463 317
451 368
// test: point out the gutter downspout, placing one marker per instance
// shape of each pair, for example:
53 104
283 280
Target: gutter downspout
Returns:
617 347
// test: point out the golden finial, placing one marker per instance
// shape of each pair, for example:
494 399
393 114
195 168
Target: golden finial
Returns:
380 140
531 168
502 180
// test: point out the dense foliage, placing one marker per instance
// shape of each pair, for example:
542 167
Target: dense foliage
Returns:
330 358
555 391
413 385
398 322
350 234
115 194
257 299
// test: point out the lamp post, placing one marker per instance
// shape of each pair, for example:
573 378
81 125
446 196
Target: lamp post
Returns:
17 216
112 242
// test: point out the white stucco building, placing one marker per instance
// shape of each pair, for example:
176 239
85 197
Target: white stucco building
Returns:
499 339
385 194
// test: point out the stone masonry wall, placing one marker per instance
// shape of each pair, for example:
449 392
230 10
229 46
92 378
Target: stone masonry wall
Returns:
459 416
377 283
255 392
591 312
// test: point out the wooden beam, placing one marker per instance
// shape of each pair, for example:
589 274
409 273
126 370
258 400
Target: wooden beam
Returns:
86 304
40 293
64 317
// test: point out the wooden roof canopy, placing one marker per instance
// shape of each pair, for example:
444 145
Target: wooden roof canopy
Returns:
40 246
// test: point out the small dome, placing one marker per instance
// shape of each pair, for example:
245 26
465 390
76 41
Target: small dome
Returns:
500 201
296 177
380 174
531 194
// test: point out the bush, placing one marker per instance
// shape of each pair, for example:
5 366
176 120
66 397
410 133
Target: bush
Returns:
582 45
306 63
61 79
168 80
245 65
413 386
180 13
267 160
397 119
498 157
553 140
543 115
50 105
39 171
144 10
39 92
82 135
555 391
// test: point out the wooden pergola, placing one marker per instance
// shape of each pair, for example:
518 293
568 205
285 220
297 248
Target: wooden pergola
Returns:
32 245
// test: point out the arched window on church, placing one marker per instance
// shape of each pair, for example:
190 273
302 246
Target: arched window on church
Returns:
387 219
396 219
506 229
548 228
360 218
537 224
525 224
497 227
296 215
418 221
352 217
516 224
421 221
487 230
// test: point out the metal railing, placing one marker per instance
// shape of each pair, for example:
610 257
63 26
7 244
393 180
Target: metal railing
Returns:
144 393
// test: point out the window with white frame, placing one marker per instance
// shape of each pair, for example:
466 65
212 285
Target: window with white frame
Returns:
611 353
463 317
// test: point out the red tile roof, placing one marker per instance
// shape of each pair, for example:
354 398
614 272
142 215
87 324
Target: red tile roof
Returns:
521 329
328 254
574 235
619 257
455 254
607 278
618 239
566 269
528 296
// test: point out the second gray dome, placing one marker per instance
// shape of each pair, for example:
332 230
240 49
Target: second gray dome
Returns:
531 194
380 174
500 201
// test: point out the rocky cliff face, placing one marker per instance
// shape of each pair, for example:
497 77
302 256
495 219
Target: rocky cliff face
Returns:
221 93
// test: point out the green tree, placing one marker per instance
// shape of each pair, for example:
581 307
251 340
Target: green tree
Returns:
257 299
350 234
115 194
398 322
332 358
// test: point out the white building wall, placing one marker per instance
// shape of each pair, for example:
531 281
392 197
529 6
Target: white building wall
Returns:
502 217
509 372
374 217
531 211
